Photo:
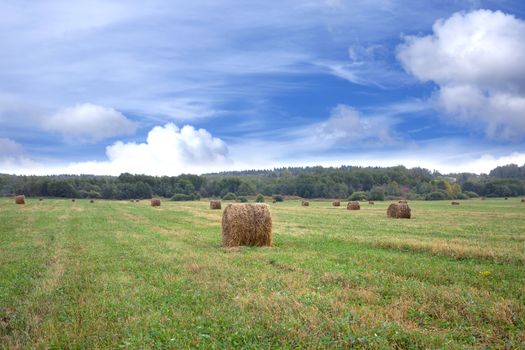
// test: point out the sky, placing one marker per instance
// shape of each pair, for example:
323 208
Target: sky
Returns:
165 87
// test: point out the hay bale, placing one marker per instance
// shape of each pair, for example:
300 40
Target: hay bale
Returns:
370 202
246 224
274 201
215 204
20 199
155 202
336 203
305 203
506 198
354 205
455 203
403 201
398 211
136 201
483 198
40 199
523 200
72 200
91 201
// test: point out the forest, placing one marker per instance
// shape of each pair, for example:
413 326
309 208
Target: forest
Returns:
346 182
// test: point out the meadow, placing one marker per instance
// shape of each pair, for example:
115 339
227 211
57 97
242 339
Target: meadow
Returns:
116 274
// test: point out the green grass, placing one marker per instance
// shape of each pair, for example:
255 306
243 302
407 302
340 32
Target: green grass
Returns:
125 275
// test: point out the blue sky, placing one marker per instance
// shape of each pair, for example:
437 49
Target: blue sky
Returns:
170 87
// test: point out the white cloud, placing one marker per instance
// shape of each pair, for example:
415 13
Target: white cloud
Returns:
89 122
168 150
477 59
10 149
347 125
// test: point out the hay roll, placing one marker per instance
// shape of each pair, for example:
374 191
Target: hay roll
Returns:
523 201
336 203
398 211
455 203
155 202
354 205
21 199
215 204
72 200
305 203
247 224
91 201
371 203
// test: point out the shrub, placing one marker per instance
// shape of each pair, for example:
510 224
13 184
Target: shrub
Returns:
436 196
242 199
358 196
278 198
462 196
229 196
179 197
259 198
471 194
376 194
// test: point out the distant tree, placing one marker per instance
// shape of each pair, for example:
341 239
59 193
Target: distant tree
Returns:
259 198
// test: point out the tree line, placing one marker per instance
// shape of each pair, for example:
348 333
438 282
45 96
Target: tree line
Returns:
373 183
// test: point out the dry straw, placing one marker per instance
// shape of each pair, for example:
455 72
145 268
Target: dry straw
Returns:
403 201
91 201
336 203
155 202
21 199
305 203
523 200
370 202
247 224
354 205
398 211
215 204
455 203
72 200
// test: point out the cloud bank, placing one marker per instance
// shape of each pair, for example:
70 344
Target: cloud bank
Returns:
477 60
89 122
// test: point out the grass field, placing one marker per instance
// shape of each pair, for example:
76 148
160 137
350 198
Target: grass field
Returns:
125 275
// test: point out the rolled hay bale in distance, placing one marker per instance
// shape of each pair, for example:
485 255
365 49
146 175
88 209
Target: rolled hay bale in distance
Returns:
398 211
336 203
72 200
91 201
305 203
155 202
483 198
215 204
247 224
371 203
523 200
40 199
136 201
354 205
20 199
455 203
506 198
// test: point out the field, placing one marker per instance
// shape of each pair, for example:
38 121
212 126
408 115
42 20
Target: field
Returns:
115 274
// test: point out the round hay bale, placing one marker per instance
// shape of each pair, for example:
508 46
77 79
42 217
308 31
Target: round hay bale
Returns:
483 198
398 211
247 224
305 203
274 201
354 205
506 198
215 204
20 199
155 202
72 200
455 203
136 201
40 199
523 200
91 201
370 202
336 203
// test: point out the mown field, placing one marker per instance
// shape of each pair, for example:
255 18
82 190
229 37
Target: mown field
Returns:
115 274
